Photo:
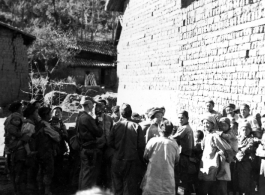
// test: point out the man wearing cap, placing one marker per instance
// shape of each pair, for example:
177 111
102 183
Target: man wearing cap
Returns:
127 139
115 114
156 117
88 130
184 137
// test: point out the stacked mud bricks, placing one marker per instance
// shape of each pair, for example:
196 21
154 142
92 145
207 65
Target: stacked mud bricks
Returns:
178 57
13 67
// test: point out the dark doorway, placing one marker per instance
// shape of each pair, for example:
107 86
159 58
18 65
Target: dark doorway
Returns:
103 76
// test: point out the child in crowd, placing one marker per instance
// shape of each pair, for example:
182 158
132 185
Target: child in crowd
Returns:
198 138
228 134
14 131
197 151
244 158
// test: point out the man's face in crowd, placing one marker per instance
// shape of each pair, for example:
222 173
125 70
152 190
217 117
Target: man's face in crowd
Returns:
116 116
183 120
229 111
57 113
164 111
244 111
99 109
244 131
89 105
209 107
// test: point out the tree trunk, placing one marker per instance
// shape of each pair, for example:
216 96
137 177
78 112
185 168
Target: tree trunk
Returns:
92 20
113 26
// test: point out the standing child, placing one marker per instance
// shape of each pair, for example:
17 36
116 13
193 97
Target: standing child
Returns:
197 151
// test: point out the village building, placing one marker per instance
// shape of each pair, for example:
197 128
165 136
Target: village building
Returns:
177 53
14 68
97 58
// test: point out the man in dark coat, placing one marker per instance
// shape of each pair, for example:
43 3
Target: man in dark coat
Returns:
89 129
127 139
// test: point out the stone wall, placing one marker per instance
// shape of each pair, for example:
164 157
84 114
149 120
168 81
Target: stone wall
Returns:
178 57
13 67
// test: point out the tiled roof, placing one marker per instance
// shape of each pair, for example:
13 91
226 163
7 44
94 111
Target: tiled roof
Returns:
79 62
26 36
101 47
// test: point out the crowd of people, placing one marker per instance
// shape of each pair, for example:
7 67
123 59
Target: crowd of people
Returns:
130 154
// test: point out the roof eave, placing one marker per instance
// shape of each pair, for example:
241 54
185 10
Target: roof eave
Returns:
115 5
28 38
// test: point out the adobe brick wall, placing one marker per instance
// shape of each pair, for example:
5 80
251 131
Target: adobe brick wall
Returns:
179 57
13 67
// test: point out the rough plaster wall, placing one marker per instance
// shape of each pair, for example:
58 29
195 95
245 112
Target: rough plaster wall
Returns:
179 57
13 67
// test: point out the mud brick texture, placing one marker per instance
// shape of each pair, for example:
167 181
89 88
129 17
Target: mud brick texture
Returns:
13 67
177 57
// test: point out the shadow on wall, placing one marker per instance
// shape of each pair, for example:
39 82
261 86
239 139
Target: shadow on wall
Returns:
186 3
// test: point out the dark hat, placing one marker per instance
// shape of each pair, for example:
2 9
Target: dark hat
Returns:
86 99
210 101
163 108
43 111
14 106
154 111
233 106
245 105
57 107
103 101
184 113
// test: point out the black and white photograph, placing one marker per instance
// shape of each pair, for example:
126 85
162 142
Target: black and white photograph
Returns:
132 97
